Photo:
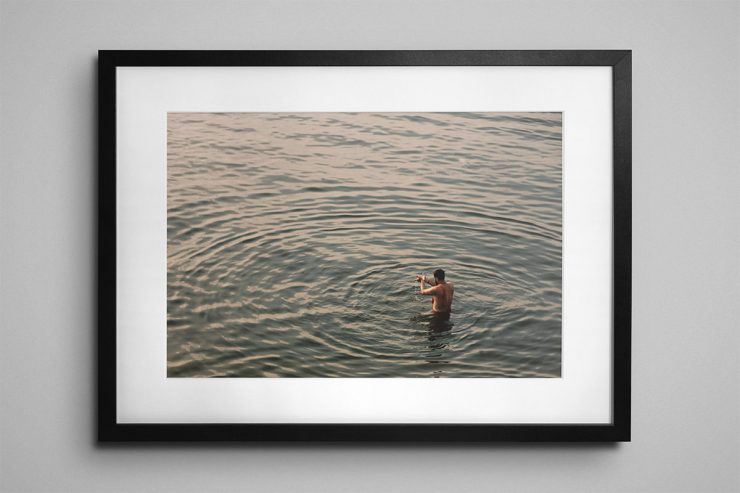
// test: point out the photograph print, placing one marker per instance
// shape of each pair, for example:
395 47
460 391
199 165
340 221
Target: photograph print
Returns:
364 245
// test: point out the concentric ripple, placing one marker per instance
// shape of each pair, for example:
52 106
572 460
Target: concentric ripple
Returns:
294 240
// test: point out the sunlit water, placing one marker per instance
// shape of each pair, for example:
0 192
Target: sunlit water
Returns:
294 240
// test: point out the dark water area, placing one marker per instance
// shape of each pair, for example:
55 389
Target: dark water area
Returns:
293 242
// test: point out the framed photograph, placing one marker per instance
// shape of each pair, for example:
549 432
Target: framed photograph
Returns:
422 246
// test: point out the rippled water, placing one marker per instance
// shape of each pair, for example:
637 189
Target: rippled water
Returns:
294 240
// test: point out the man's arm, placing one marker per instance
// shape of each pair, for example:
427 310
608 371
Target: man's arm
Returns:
425 291
424 279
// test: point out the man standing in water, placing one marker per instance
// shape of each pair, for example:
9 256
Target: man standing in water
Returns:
441 292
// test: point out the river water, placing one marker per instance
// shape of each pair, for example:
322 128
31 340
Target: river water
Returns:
293 241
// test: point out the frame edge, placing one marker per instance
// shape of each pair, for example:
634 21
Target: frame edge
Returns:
109 430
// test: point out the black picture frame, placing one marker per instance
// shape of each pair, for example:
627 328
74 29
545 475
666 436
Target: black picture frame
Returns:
110 430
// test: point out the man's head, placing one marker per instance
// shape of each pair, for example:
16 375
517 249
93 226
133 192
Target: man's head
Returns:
439 275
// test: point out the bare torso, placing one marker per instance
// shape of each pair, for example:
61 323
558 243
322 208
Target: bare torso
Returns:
442 297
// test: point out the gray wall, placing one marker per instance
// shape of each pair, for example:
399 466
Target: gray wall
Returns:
686 412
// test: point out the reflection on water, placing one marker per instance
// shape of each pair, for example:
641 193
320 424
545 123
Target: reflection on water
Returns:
439 334
294 241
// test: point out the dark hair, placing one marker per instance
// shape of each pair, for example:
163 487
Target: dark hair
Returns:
439 274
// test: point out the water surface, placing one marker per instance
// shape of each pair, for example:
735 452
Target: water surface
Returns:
294 240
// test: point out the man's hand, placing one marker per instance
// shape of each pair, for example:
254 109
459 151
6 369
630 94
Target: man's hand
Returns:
421 279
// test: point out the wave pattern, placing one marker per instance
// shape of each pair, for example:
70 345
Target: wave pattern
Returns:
294 239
